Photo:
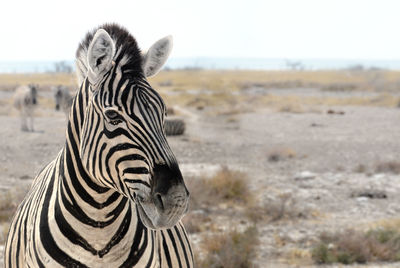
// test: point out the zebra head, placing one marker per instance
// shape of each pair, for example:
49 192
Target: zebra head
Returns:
33 93
122 143
59 95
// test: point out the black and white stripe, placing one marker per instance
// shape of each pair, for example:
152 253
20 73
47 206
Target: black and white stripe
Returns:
114 196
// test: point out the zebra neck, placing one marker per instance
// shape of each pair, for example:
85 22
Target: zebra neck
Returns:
97 219
92 212
77 185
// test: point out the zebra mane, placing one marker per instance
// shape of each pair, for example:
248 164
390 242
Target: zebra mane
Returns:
126 46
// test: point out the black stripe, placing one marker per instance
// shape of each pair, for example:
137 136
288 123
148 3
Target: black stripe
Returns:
136 253
172 239
182 245
69 232
119 235
46 237
166 251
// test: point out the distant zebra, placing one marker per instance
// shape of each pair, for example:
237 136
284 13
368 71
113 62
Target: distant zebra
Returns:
114 196
63 99
25 100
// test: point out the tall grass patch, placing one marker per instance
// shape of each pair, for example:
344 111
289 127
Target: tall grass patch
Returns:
231 249
226 186
379 244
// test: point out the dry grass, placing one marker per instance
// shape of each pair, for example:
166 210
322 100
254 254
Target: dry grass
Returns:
223 195
284 207
361 168
44 80
235 80
392 167
4 227
197 222
220 80
232 249
226 90
280 154
379 244
9 202
226 186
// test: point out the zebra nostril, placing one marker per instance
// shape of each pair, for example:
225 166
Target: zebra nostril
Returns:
158 201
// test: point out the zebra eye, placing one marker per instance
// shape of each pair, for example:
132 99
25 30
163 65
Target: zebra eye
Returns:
114 117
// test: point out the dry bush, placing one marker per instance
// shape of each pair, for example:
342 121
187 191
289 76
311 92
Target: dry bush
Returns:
4 227
339 87
351 246
196 222
295 108
283 208
281 154
361 168
230 249
224 187
388 167
44 80
9 202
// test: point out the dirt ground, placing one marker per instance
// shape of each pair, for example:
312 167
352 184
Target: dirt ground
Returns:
322 160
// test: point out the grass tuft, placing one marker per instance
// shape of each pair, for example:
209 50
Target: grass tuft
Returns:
388 167
9 202
283 208
232 249
226 186
379 244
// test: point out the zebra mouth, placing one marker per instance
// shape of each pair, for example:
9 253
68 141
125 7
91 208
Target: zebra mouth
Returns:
151 217
145 219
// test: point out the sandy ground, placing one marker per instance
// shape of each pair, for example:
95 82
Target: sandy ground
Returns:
320 177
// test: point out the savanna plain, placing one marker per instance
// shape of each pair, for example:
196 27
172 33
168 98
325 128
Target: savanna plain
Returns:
285 168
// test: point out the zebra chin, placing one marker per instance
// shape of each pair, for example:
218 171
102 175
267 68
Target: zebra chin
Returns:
163 212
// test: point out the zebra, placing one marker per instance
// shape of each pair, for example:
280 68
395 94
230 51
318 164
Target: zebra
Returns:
25 100
62 98
114 196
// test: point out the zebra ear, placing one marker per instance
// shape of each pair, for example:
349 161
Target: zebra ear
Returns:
156 56
100 55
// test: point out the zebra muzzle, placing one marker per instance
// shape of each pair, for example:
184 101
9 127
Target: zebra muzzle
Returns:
168 200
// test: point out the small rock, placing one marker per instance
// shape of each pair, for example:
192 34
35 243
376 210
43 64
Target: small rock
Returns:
371 194
305 175
316 125
379 176
362 199
25 177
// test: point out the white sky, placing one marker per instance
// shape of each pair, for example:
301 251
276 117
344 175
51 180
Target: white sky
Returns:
351 29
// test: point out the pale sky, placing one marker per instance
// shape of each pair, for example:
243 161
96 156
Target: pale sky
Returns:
334 29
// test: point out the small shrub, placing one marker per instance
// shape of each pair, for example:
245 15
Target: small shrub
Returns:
284 207
3 232
291 108
224 187
230 185
281 154
322 254
196 222
388 167
9 202
361 168
358 247
229 250
339 87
